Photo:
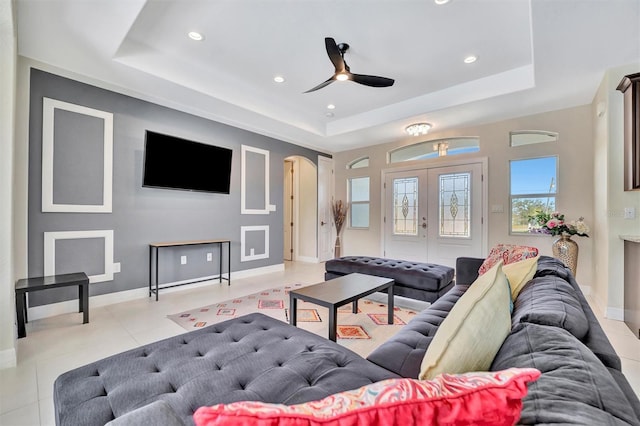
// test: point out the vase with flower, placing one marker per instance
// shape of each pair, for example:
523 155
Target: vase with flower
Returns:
564 248
339 211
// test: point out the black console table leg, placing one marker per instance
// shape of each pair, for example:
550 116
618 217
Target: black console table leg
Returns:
84 302
21 314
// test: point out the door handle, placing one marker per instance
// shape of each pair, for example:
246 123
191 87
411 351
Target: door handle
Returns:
322 222
424 225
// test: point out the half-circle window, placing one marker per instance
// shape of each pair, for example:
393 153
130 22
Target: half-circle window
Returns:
435 148
528 137
359 163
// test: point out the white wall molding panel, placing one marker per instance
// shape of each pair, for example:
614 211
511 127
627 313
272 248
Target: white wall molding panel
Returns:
50 239
56 136
248 242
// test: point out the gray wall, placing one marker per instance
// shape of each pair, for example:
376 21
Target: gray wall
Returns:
139 215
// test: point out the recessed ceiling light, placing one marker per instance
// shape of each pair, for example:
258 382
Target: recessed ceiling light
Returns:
331 106
278 79
194 35
470 59
441 1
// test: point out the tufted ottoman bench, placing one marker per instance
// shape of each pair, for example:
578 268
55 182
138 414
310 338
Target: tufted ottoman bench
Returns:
250 358
420 281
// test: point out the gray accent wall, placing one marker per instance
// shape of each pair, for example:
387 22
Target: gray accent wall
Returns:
139 215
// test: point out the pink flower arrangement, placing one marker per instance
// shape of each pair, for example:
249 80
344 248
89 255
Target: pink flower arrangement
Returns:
555 224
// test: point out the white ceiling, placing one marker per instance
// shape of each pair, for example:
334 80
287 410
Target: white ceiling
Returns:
533 56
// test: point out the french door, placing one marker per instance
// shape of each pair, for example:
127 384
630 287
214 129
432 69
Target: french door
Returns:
434 215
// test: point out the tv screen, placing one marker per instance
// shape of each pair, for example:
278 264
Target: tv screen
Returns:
175 163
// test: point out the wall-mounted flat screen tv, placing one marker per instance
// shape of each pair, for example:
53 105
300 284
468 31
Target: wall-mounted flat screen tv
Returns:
175 163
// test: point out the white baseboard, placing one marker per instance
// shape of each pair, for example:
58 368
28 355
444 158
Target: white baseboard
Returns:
8 358
69 306
615 313
258 271
307 259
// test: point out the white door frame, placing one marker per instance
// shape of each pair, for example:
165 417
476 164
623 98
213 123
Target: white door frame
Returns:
290 198
324 255
434 165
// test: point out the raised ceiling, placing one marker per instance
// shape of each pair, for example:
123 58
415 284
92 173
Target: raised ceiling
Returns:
533 56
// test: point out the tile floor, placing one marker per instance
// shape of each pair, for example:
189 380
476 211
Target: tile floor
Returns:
58 344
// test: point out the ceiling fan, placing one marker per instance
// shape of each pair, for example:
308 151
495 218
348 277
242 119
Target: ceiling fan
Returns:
336 55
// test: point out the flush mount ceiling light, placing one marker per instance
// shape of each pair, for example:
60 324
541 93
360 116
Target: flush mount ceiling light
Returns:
194 35
418 129
331 106
439 2
470 59
278 79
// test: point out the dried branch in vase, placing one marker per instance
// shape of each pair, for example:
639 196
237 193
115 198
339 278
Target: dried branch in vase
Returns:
339 210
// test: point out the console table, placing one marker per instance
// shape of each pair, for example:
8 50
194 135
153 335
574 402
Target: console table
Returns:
52 281
154 249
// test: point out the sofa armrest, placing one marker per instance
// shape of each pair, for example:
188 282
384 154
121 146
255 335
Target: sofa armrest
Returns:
467 269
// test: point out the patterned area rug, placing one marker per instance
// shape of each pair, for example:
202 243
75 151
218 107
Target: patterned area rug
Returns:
361 332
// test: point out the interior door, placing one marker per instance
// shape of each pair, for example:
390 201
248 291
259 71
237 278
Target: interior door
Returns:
434 215
455 213
325 193
406 219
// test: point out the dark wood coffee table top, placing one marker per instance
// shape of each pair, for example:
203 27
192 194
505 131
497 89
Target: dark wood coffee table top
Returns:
338 292
342 290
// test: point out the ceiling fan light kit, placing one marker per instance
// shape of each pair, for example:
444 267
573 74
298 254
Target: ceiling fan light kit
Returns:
417 129
343 72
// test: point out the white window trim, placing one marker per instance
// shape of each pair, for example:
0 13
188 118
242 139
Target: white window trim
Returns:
351 203
542 195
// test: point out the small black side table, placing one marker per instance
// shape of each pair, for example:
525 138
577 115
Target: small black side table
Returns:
53 281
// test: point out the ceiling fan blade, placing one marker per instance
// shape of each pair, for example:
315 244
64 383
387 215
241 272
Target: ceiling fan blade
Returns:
334 54
372 80
321 85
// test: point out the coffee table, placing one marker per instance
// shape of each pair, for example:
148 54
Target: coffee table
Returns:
338 292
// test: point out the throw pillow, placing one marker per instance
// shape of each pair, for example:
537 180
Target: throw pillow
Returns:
474 398
520 273
471 335
508 253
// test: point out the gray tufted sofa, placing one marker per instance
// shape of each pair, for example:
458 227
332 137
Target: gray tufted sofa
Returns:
553 330
420 281
259 358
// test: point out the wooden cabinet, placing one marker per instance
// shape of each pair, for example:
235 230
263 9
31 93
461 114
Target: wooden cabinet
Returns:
632 284
630 87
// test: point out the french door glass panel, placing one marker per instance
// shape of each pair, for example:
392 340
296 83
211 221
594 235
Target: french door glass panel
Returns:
454 201
405 206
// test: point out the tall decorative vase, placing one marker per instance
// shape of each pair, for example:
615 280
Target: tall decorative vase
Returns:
565 249
336 252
